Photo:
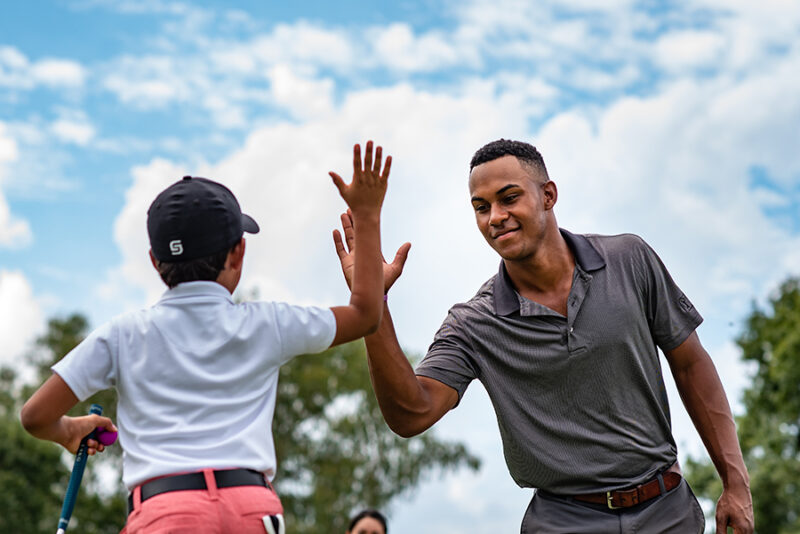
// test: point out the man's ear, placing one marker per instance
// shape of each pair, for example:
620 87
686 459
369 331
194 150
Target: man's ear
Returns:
549 194
153 260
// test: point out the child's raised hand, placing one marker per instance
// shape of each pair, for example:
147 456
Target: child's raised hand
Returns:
368 187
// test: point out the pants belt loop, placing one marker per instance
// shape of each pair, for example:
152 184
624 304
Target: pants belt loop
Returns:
662 488
135 501
211 483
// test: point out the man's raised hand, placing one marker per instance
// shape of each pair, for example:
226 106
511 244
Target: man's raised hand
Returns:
345 249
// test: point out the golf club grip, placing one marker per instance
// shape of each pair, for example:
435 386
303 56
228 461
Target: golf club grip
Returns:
76 476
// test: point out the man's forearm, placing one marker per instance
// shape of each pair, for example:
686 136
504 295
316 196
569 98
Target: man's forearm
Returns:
407 406
705 400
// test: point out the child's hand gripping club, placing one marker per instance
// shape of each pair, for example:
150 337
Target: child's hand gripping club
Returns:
103 437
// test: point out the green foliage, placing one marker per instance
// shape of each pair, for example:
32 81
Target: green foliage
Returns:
98 510
32 478
769 431
335 452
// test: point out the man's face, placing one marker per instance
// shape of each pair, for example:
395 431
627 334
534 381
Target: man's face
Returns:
511 206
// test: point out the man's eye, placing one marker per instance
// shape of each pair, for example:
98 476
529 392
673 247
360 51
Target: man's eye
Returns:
480 208
510 199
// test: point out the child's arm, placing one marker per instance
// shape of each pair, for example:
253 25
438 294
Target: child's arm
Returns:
364 197
44 417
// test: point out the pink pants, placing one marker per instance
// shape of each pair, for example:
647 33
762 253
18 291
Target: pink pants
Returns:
237 510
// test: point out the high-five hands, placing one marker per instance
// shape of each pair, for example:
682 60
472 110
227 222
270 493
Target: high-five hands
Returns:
370 179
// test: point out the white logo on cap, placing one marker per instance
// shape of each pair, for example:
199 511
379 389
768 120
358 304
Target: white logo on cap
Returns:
176 247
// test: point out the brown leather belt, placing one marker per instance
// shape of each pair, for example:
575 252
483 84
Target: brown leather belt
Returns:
633 496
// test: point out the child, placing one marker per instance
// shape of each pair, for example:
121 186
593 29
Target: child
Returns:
197 373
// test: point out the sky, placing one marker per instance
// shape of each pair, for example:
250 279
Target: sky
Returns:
676 121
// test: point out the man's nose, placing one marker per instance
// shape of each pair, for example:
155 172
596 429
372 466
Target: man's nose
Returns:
497 215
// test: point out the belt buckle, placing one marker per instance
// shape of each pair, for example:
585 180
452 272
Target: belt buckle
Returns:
609 498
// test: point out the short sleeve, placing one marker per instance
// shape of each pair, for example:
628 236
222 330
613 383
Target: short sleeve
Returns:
304 329
670 314
91 366
450 358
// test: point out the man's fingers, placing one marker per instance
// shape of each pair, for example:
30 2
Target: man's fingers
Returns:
349 230
402 255
386 169
337 242
376 167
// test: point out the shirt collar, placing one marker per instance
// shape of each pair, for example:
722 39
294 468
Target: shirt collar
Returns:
197 289
506 300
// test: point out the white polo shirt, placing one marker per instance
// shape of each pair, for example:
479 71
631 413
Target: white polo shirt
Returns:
197 376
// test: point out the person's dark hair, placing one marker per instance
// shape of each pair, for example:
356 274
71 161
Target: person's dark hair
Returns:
374 514
206 268
524 152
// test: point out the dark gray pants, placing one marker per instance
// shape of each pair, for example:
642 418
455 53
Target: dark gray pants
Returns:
676 511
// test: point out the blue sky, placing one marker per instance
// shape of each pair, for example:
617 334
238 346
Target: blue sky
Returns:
677 121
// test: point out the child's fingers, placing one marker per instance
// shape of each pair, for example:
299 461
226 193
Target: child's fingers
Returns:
338 182
357 169
368 157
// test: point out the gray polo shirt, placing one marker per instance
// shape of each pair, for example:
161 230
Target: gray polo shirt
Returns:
580 400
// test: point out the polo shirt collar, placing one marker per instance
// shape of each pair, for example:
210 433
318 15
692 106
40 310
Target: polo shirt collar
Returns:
197 289
506 300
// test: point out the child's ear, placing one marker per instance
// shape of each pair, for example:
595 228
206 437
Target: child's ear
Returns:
236 256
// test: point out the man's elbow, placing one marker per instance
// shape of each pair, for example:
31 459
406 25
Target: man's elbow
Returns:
406 431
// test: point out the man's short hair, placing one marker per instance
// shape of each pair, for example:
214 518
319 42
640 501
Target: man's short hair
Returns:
206 268
524 152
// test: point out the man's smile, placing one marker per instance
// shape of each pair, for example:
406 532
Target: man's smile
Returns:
499 235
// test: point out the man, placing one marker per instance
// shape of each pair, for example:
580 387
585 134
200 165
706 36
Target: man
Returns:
564 338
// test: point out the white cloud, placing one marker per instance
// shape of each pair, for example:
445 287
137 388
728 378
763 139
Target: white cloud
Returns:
682 50
58 73
148 82
304 98
21 318
8 148
18 72
73 127
397 48
13 232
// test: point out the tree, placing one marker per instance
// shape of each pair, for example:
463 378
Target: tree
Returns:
769 430
31 472
35 473
335 452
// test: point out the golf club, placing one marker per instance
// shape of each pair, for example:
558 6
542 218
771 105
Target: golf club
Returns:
76 476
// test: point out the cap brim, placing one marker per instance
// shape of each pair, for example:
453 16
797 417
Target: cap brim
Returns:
249 224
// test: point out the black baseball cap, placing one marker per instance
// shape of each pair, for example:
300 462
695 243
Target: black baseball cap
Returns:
193 218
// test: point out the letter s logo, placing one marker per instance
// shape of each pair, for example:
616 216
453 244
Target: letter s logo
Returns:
176 247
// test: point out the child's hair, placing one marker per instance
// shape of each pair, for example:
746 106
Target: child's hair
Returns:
206 268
